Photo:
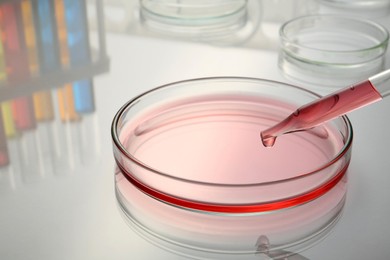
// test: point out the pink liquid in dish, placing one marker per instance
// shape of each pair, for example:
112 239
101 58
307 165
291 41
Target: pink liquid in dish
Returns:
324 109
215 141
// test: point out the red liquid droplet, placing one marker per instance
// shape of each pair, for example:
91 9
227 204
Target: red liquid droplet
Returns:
268 141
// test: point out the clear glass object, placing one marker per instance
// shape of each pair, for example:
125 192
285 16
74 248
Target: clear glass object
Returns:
194 175
196 145
331 50
193 12
362 8
194 18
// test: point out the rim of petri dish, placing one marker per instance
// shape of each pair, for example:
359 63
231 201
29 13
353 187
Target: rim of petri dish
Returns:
340 160
371 4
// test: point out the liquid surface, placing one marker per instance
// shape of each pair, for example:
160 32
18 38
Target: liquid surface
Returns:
217 141
322 110
333 40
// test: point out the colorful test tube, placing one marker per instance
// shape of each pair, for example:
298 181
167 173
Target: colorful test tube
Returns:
65 95
3 73
15 57
79 52
6 106
4 158
16 62
8 120
42 100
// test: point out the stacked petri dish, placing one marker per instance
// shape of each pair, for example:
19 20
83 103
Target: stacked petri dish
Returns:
194 177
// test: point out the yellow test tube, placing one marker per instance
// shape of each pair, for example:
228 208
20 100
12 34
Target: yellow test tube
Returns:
6 106
8 120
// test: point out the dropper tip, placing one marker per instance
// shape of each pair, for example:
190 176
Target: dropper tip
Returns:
267 140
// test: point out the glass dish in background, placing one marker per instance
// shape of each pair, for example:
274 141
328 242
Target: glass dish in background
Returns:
195 12
192 149
331 51
363 8
220 21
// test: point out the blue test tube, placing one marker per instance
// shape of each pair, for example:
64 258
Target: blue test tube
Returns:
47 36
79 52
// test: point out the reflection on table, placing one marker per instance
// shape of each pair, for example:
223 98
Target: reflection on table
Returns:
279 234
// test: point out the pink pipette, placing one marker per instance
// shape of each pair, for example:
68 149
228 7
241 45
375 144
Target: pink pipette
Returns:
328 107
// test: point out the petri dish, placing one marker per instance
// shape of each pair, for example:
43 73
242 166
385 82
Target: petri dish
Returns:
194 177
193 12
219 22
363 8
331 50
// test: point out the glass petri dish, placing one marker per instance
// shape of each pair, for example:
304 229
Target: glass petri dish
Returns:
193 12
196 145
362 8
331 50
194 178
221 21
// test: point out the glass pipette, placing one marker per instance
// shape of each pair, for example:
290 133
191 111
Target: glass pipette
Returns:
328 107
